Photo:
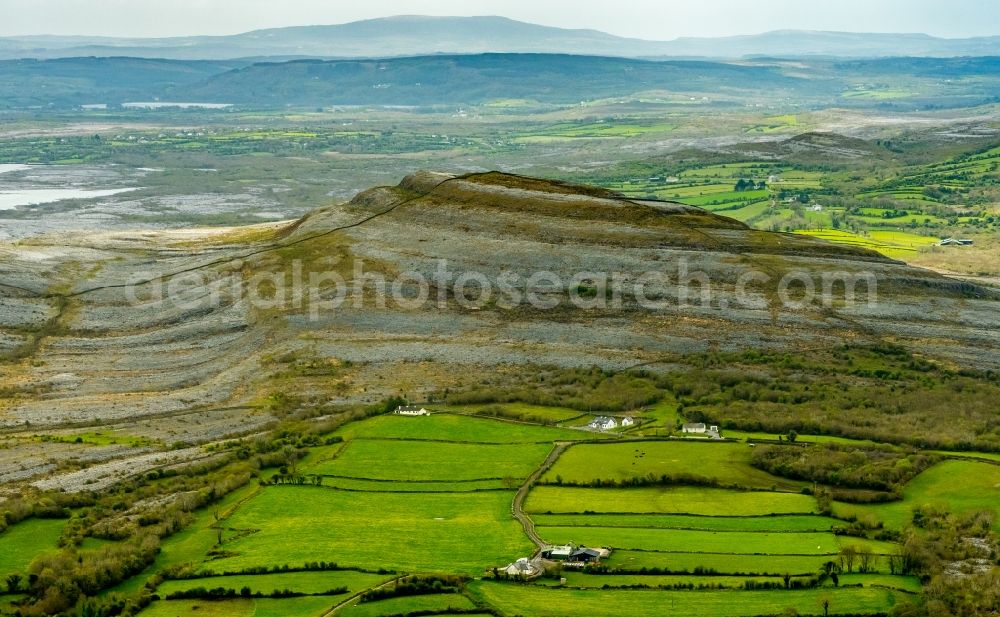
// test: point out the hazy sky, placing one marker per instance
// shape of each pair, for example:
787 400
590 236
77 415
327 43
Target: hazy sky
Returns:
650 19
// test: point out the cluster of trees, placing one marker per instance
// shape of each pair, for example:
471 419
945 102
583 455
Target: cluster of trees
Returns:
57 582
186 572
139 513
70 580
13 510
224 593
961 577
495 411
858 392
299 479
586 389
852 557
744 184
415 586
650 479
876 468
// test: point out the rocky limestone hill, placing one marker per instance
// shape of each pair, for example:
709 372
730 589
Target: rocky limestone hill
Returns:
88 340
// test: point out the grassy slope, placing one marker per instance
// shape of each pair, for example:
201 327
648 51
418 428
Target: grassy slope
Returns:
22 542
728 463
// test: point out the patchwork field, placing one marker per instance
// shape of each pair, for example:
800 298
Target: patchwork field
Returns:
958 486
558 602
20 543
257 607
455 532
461 429
434 495
299 582
725 463
667 500
430 461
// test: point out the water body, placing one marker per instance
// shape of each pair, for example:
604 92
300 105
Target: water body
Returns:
164 104
7 168
13 199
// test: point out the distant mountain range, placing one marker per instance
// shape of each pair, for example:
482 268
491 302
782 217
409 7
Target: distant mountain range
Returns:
412 35
479 78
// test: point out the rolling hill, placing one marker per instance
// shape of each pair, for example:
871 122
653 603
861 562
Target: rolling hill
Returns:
408 35
99 350
471 79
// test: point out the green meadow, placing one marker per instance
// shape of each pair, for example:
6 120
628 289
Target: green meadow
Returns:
20 543
958 486
256 607
448 427
667 500
426 460
299 582
724 462
438 604
423 532
685 540
558 602
786 523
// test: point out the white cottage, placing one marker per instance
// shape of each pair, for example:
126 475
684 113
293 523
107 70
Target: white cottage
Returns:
603 423
411 410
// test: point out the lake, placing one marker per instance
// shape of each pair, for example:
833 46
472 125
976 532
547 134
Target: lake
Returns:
13 199
166 104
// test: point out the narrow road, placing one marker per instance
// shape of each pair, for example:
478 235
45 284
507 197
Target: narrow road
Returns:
517 507
344 603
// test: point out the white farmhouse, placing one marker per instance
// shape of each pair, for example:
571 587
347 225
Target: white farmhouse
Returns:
411 410
626 421
603 423
521 568
694 427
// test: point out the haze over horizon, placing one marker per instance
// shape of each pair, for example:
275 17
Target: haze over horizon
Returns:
637 19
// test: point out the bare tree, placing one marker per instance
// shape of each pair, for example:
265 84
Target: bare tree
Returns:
848 555
867 562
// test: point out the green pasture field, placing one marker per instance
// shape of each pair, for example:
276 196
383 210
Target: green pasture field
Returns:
751 436
986 456
578 579
534 600
596 581
681 540
465 429
776 565
748 213
695 190
21 543
437 603
300 582
726 170
904 583
727 197
414 532
894 244
191 544
381 486
523 410
656 418
604 129
101 438
789 523
729 463
960 486
426 460
667 500
257 607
